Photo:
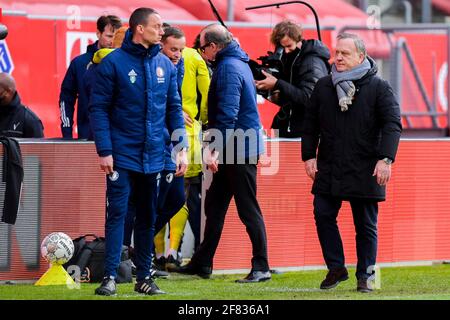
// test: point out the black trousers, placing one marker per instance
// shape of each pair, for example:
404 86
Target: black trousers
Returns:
193 187
238 181
365 214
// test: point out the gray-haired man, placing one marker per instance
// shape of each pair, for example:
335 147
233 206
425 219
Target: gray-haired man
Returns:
356 117
232 108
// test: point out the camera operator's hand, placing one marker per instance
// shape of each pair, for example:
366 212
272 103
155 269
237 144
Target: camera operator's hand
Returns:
266 84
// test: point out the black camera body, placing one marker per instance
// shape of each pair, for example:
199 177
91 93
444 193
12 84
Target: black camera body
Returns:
270 63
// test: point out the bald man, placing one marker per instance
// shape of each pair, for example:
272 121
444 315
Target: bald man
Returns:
16 120
233 119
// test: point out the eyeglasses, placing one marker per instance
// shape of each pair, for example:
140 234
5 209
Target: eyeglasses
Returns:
203 48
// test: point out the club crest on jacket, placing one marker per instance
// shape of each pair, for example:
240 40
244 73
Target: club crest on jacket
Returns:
160 74
132 74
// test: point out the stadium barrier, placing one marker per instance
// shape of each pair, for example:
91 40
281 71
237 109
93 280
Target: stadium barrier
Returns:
64 190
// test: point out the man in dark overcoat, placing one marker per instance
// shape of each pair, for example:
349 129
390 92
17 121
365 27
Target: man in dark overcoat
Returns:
351 134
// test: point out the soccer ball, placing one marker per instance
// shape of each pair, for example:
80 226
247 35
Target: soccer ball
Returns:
57 248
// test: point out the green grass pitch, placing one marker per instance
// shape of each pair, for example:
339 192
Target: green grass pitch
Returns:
405 283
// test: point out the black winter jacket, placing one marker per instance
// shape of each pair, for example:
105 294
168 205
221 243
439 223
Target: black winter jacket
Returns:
18 121
13 177
351 142
297 84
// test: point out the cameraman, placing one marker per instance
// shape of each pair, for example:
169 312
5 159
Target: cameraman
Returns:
303 62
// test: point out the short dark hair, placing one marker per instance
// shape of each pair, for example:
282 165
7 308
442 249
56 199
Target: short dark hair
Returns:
140 16
286 28
170 31
196 44
103 21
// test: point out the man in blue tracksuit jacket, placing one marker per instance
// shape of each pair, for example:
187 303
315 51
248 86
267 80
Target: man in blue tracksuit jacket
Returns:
232 118
72 87
171 197
135 90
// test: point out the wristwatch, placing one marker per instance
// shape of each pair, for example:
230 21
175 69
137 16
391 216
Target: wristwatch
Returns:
387 161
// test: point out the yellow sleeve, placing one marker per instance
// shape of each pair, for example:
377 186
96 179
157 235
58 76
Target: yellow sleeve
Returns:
203 81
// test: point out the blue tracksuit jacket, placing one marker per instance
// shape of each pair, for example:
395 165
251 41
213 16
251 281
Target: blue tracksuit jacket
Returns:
134 91
72 88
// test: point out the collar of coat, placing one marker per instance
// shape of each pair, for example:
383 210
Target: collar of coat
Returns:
366 78
138 49
232 50
15 102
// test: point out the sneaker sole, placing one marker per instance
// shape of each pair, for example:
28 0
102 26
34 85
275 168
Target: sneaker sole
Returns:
104 293
364 290
247 281
150 293
334 285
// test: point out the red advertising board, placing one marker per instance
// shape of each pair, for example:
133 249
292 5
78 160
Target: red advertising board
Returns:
64 191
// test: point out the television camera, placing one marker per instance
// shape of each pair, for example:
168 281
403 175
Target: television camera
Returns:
270 63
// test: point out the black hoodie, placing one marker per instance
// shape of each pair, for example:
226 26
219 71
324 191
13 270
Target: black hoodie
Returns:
297 84
18 121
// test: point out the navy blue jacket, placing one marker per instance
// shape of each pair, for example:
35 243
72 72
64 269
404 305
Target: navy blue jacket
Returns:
72 88
169 164
135 88
232 101
89 80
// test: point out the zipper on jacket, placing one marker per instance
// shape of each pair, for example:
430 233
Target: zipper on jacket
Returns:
289 121
149 95
290 81
292 65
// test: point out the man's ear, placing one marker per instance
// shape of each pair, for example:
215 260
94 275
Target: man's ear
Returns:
98 34
361 57
140 29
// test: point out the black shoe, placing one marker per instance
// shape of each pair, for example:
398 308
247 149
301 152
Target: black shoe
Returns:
172 264
160 263
147 286
191 269
333 278
256 276
158 273
273 271
363 286
107 288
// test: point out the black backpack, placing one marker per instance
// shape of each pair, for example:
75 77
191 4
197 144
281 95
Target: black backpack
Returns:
89 257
